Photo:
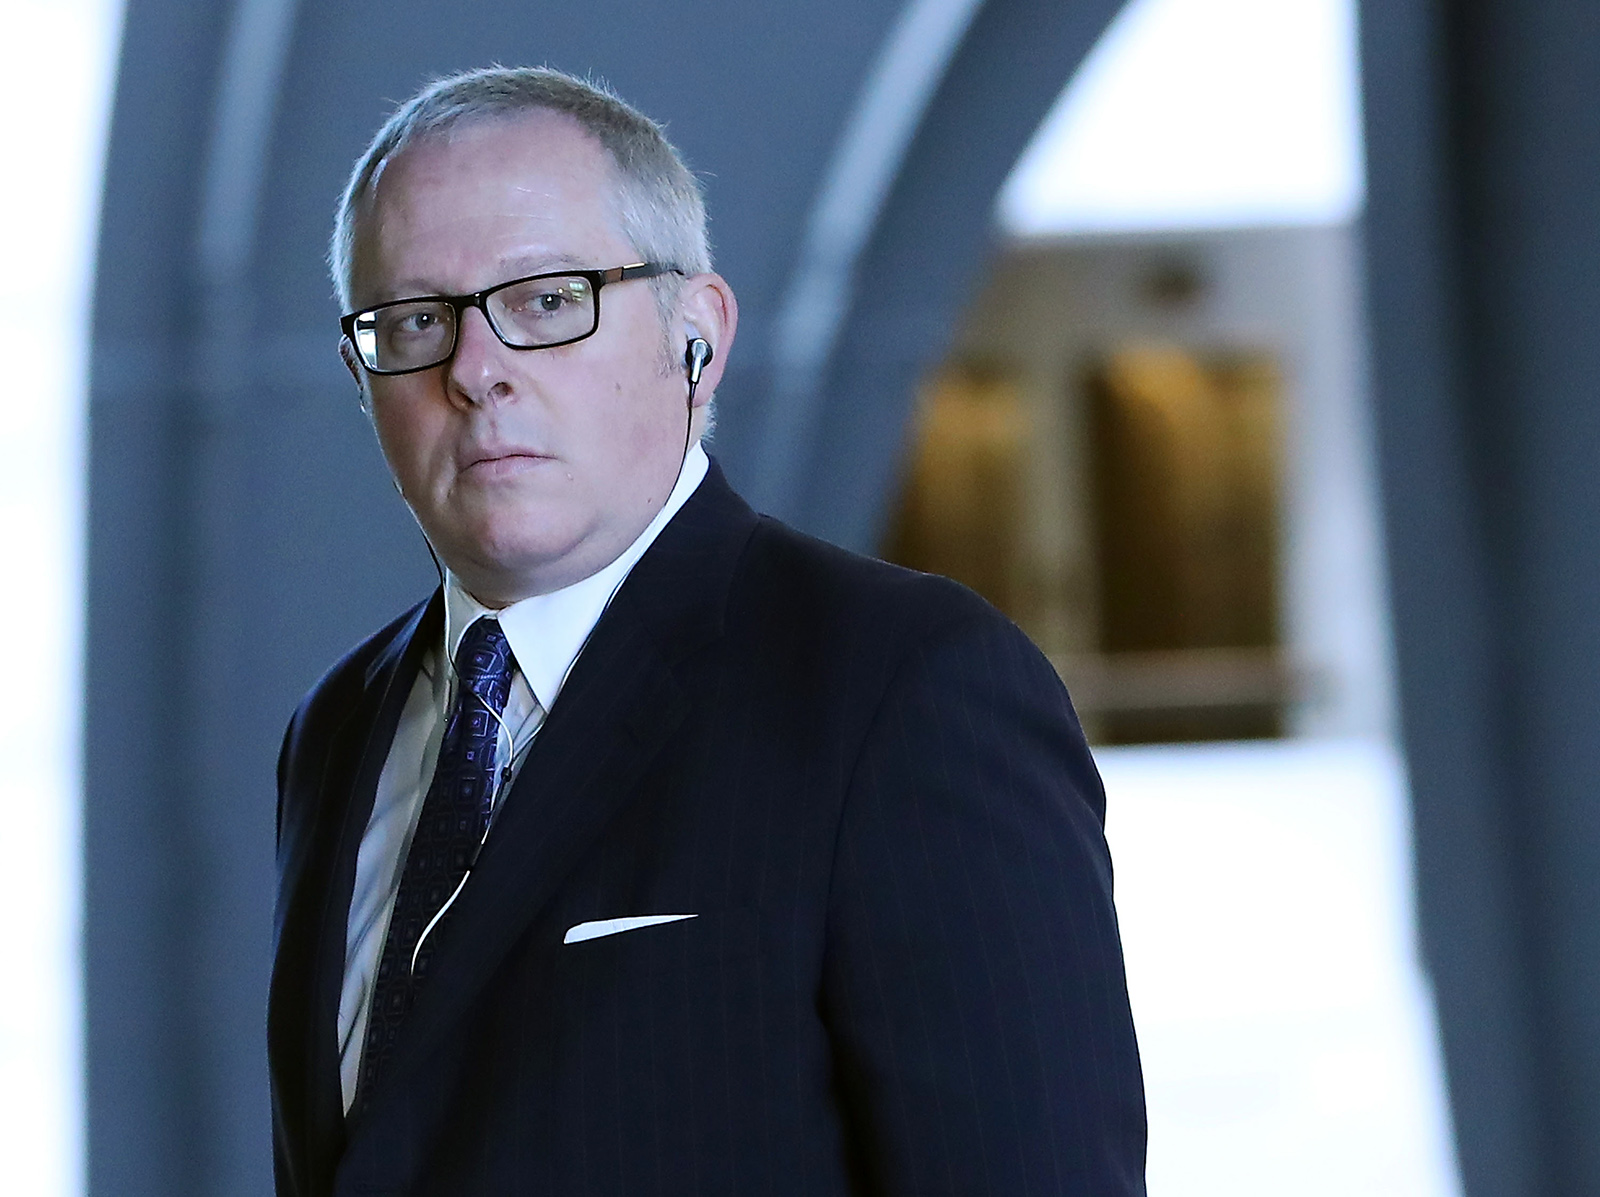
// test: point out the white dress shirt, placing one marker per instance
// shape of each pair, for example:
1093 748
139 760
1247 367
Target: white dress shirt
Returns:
546 634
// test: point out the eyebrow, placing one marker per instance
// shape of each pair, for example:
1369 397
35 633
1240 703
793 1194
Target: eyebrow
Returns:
513 266
539 263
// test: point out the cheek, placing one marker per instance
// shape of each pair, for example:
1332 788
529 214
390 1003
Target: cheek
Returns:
414 439
656 428
632 416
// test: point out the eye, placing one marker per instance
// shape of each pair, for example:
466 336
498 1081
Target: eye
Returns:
411 321
416 322
544 301
540 299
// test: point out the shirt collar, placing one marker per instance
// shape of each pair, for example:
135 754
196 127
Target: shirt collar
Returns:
548 631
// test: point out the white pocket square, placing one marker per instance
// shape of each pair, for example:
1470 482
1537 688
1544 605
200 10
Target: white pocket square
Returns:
601 927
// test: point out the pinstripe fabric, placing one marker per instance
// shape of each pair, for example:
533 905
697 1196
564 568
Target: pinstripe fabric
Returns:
904 977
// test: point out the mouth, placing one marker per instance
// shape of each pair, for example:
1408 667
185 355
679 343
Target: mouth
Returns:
499 463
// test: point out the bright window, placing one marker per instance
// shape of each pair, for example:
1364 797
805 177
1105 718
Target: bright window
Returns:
1201 114
56 90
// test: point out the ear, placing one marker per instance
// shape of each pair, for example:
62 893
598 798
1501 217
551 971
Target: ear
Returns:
707 308
347 354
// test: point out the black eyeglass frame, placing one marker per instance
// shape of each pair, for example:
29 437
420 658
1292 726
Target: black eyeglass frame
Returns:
597 280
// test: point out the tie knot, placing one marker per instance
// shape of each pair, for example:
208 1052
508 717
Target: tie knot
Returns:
484 662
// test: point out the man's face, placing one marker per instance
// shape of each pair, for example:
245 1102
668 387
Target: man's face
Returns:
527 469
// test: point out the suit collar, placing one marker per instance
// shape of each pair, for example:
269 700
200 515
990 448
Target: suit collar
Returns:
679 590
416 634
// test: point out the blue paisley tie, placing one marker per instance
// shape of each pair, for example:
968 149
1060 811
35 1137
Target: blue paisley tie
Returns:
455 816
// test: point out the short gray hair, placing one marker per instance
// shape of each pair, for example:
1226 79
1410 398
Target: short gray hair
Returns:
660 207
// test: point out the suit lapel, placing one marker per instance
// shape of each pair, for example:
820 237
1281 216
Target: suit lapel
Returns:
356 753
620 707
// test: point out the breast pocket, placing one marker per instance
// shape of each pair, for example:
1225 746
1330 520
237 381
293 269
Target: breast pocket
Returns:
659 1037
628 947
653 1001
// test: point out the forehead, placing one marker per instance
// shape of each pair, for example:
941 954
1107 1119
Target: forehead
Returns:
457 210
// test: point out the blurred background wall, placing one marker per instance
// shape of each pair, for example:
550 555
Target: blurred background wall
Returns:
1139 382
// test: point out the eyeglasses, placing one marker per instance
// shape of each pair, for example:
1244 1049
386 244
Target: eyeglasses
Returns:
540 311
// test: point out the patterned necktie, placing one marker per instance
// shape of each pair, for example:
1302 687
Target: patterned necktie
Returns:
455 817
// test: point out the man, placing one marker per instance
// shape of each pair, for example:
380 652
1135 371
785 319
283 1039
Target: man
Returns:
663 850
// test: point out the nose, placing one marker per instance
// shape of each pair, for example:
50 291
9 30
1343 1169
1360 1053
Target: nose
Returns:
477 373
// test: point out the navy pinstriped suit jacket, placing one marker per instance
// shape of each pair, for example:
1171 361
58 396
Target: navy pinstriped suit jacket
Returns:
905 977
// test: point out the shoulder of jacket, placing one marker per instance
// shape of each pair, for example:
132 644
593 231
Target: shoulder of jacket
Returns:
834 584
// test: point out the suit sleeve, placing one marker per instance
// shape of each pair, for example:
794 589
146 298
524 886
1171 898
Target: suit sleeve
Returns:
973 980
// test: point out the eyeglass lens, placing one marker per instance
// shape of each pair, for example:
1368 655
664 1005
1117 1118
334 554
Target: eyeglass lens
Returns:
525 315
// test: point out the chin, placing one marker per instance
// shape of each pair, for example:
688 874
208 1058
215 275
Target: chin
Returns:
514 552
